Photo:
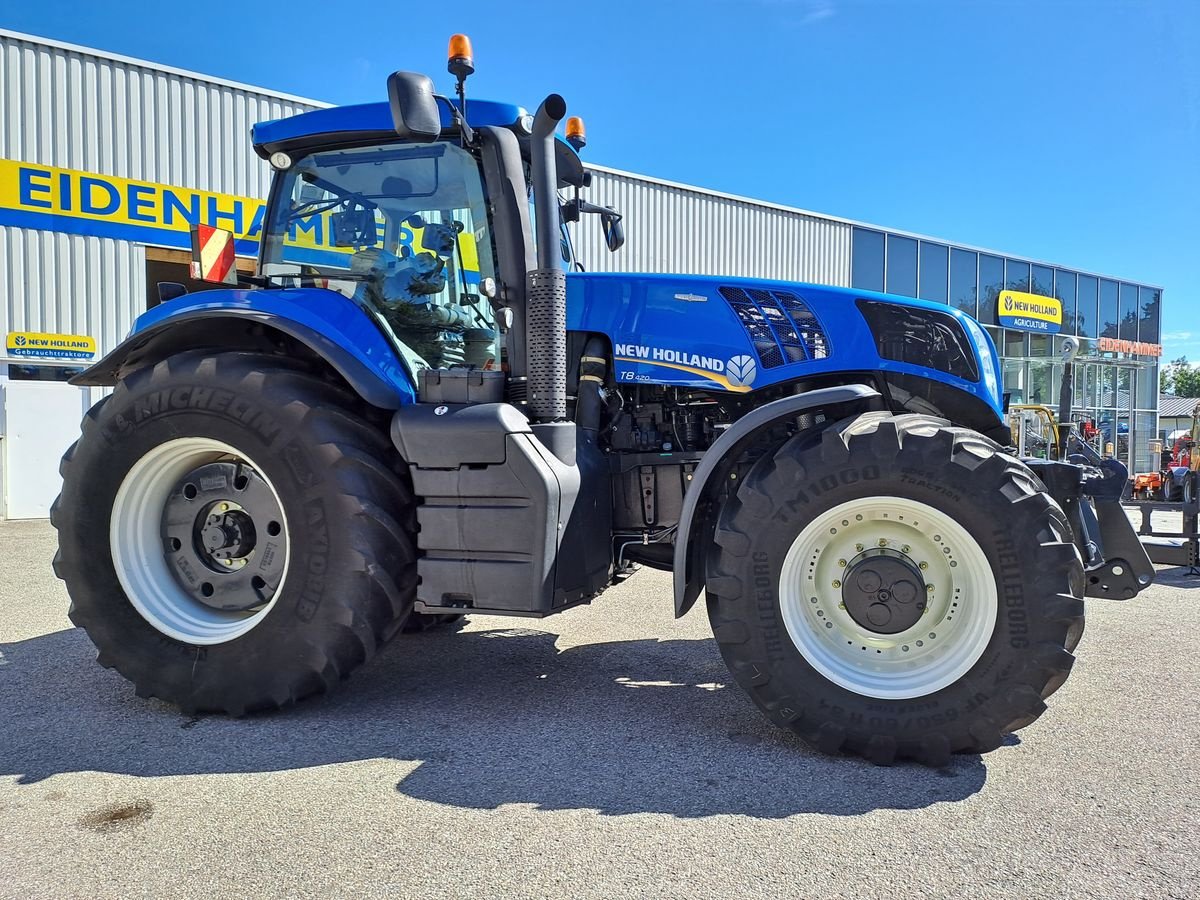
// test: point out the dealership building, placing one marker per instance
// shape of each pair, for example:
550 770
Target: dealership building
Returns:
107 161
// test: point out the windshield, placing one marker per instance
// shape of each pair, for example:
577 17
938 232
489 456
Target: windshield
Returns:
402 229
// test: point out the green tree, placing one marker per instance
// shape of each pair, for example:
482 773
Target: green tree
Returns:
1181 378
1166 375
1187 381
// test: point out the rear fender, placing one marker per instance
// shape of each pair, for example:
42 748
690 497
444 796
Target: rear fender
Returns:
697 518
334 327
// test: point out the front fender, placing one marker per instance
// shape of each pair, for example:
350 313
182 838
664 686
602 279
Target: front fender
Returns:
333 326
695 519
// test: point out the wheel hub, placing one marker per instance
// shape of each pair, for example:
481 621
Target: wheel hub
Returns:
221 532
883 591
228 532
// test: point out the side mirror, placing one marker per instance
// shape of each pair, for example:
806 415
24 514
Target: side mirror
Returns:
415 111
212 255
170 290
614 231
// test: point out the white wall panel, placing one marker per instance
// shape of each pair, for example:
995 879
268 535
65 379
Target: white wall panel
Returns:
70 284
78 109
677 228
74 108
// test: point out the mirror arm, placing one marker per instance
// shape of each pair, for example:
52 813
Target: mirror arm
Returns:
572 209
465 131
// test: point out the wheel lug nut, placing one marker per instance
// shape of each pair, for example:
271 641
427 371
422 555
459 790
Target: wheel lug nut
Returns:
842 563
859 547
841 606
227 562
224 507
923 565
905 548
883 542
929 588
836 583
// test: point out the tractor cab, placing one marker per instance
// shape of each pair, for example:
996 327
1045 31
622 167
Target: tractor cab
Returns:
403 230
423 211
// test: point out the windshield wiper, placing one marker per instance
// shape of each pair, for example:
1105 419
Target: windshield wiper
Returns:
328 276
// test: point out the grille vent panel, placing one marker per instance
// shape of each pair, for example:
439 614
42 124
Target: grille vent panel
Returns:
780 325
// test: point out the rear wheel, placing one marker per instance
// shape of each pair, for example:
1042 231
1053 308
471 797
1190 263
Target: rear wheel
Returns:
233 533
896 587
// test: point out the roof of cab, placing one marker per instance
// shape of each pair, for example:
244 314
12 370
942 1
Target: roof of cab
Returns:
368 119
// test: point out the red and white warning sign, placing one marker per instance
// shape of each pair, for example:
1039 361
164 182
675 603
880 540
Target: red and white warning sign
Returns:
212 255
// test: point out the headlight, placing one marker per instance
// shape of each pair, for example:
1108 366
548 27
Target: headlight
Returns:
987 359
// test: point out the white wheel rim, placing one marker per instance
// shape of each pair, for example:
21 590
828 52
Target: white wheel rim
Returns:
136 545
939 649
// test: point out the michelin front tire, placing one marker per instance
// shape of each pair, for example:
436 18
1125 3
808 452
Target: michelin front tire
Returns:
233 533
895 587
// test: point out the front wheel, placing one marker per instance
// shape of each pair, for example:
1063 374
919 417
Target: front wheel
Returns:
896 587
233 533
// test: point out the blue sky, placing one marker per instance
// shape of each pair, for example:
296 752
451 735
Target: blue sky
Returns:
1065 130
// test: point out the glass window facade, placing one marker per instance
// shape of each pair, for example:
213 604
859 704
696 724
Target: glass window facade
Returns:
901 275
1064 290
1115 392
1016 275
1150 310
991 283
1127 328
1109 318
866 255
1087 308
934 272
964 280
1041 280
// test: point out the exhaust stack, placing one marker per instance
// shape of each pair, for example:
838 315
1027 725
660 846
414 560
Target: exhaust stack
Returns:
546 286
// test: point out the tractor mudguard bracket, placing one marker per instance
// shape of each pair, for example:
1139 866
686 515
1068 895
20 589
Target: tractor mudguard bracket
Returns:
695 521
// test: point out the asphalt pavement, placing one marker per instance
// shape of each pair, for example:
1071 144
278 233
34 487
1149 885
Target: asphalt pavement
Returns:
600 753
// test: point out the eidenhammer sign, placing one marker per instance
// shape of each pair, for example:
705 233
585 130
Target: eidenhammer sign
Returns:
1029 312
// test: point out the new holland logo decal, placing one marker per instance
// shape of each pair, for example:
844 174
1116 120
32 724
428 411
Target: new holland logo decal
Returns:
741 371
734 374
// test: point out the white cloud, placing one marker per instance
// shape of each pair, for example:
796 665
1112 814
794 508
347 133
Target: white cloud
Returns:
816 10
803 12
1177 336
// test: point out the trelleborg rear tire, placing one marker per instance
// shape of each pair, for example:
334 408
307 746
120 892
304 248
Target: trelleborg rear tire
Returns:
895 587
233 533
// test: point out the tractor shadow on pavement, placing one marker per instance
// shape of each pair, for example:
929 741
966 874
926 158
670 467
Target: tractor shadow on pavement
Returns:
491 717
1177 577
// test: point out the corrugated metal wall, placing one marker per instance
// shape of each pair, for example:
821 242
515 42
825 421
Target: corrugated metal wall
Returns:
67 107
676 228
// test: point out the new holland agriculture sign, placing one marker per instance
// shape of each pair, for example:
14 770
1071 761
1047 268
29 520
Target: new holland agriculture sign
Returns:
1030 312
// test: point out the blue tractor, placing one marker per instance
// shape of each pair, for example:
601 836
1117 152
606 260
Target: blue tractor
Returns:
419 408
